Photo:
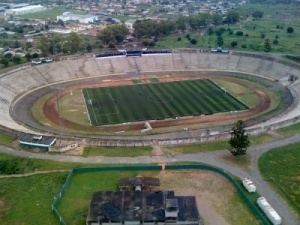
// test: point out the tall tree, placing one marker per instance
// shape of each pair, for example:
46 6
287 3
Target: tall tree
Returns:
113 34
43 44
232 17
267 45
239 140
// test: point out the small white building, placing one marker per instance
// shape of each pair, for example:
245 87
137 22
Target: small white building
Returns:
85 19
25 9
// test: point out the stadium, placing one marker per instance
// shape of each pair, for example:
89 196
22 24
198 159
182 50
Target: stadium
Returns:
166 97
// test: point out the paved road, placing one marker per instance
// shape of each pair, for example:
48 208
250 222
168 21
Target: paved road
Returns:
213 158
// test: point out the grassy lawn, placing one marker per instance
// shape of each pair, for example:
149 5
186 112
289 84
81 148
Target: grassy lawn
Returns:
290 130
73 107
14 164
194 148
281 168
49 14
117 151
6 139
27 200
75 203
242 93
255 31
213 145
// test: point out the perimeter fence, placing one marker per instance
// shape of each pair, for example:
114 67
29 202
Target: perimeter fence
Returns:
244 196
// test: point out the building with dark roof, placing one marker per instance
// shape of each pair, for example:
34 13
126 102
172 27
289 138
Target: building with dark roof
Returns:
142 207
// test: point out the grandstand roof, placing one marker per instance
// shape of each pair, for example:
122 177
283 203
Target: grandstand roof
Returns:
37 140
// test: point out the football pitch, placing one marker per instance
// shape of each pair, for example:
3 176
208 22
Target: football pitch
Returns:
157 101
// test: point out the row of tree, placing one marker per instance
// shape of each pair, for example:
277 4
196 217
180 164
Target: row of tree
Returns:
56 44
145 29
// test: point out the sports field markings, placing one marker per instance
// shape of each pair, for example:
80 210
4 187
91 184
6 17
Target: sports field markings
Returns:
156 101
86 108
90 101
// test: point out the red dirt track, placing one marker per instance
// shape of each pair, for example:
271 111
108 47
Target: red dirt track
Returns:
50 108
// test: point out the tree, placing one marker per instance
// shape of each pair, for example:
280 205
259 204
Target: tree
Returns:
113 34
193 41
234 44
267 45
232 17
43 45
275 42
220 41
257 14
4 61
217 19
28 57
16 60
290 30
74 42
239 33
239 140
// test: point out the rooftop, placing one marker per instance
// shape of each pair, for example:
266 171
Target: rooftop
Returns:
145 207
37 140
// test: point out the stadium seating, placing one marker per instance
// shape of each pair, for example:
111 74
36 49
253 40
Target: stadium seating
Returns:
20 81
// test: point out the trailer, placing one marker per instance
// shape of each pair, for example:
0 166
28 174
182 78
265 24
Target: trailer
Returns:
272 215
249 185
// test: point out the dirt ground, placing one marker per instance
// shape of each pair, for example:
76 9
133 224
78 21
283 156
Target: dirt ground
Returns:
50 109
217 200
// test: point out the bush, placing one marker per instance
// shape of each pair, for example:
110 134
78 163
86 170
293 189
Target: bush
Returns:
267 46
239 33
244 46
210 31
179 39
233 44
188 36
290 30
220 31
193 41
275 42
17 60
263 36
16 166
257 14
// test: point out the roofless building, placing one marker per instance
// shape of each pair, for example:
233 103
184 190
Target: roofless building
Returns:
142 207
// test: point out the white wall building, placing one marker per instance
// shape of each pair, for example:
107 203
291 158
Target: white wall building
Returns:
25 9
68 16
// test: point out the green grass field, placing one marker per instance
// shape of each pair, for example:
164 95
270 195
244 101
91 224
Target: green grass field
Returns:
281 168
6 139
117 151
277 18
27 200
155 101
